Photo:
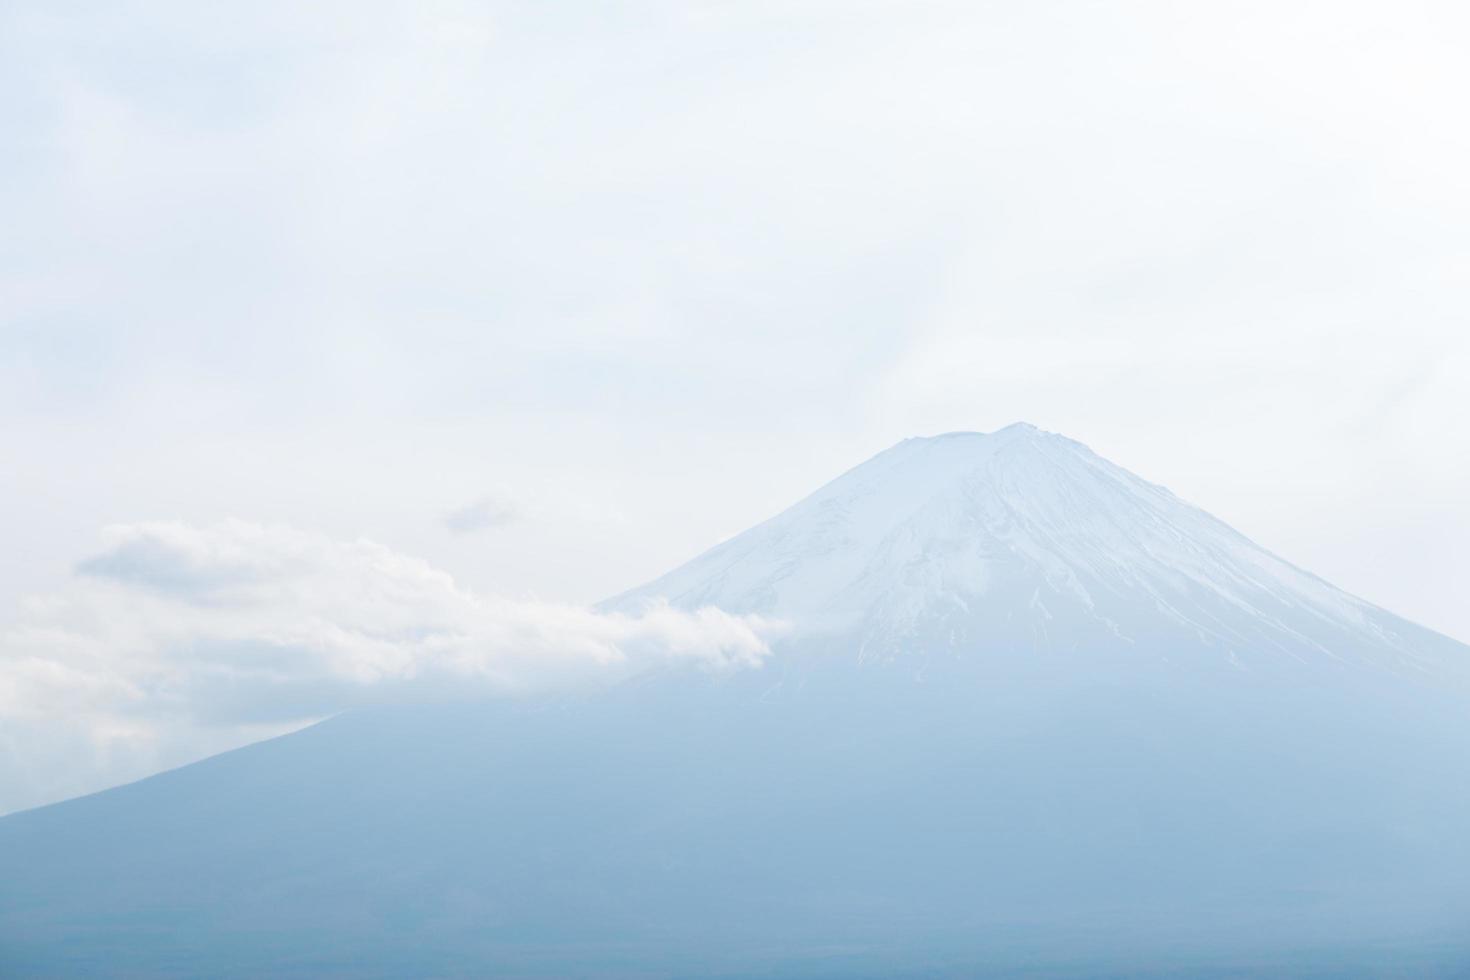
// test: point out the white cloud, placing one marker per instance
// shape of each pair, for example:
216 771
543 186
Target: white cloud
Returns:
179 640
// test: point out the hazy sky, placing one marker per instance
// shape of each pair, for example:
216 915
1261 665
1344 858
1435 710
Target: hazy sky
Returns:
547 298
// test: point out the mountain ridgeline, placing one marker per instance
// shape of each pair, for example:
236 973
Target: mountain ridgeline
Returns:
1031 715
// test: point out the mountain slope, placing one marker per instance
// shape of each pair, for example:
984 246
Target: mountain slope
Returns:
1034 716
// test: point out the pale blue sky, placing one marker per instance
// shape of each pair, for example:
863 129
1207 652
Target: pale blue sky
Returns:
555 298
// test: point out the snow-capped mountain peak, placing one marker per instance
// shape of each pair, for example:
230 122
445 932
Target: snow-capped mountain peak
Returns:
971 541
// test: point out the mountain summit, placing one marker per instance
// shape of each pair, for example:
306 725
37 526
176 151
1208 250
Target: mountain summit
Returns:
1034 716
970 543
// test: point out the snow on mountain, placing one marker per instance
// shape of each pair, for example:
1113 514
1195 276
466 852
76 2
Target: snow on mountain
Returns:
1023 538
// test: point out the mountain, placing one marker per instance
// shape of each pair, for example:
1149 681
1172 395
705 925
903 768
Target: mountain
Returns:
1032 716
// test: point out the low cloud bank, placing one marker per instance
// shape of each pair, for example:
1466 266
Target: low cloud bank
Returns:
177 641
